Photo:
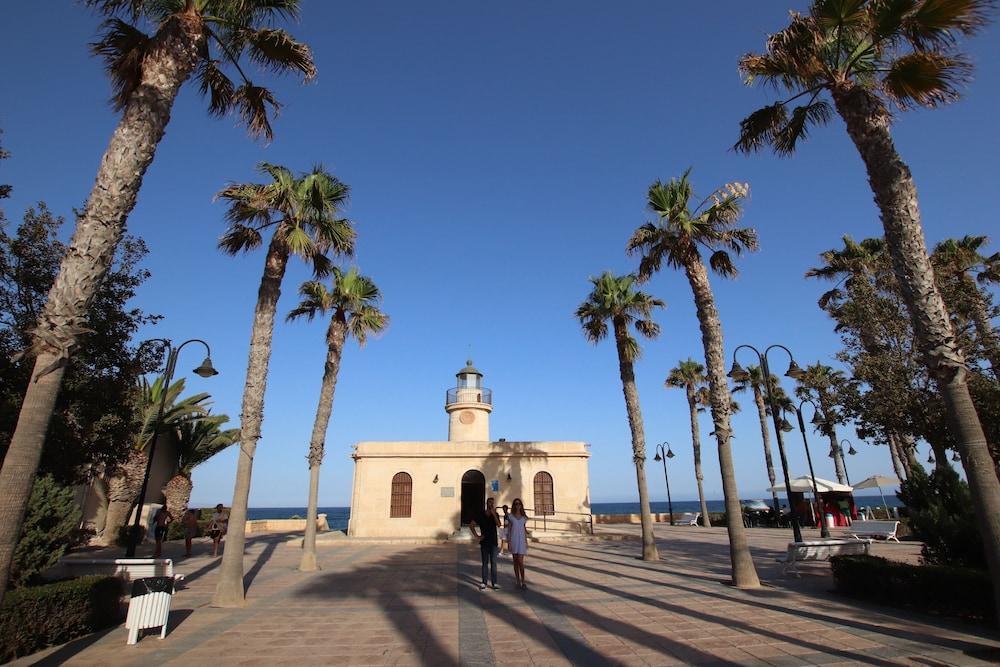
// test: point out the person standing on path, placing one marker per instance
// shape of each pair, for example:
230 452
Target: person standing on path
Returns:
217 527
161 520
517 539
487 522
190 529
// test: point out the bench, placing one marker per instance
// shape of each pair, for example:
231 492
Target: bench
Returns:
126 568
821 550
688 519
877 529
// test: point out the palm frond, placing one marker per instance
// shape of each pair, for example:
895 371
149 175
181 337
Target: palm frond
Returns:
722 264
133 9
758 129
253 102
925 79
215 85
796 129
648 328
934 24
277 51
123 48
240 238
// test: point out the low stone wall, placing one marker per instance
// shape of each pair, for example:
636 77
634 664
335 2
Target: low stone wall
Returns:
284 525
658 517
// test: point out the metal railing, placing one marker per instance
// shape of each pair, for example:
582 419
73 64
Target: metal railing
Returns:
469 395
550 517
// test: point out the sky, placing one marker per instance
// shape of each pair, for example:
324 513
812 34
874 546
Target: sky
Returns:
498 156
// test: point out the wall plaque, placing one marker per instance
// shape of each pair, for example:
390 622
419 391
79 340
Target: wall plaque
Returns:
447 491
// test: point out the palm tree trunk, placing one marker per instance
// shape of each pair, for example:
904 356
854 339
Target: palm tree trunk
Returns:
123 491
897 460
229 592
172 57
744 572
335 337
177 491
896 196
984 328
758 398
627 373
696 446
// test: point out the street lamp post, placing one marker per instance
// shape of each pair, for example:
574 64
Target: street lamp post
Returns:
660 456
850 451
205 370
824 530
737 372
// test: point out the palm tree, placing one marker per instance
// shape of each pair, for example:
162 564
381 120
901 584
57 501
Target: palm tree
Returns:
755 383
354 300
191 37
690 376
125 484
197 441
301 214
676 237
819 382
960 258
870 55
616 298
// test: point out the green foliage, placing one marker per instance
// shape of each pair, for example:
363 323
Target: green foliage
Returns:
50 527
92 420
948 591
175 531
35 617
941 516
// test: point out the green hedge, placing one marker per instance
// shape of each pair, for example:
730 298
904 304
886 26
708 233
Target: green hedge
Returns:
34 617
937 589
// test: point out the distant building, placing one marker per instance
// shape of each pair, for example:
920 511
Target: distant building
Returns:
432 489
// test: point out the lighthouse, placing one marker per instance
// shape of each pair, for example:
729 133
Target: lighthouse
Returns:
468 405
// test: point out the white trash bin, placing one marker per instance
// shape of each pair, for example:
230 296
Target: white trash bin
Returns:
149 606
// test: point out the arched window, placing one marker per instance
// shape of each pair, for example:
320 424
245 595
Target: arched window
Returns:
402 496
544 499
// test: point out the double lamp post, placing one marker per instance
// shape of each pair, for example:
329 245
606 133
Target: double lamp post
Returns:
661 456
781 426
205 370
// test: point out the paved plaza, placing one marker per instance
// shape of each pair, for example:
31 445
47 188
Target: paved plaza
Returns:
589 603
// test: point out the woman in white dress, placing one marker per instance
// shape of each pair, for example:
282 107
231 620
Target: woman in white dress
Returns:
517 536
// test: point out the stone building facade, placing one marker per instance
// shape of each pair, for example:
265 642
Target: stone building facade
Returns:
430 489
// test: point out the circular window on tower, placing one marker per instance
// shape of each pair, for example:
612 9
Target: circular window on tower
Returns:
466 417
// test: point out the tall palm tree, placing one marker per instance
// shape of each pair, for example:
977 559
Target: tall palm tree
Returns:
960 259
354 301
189 37
870 55
690 376
124 485
616 299
300 212
676 237
197 441
818 383
755 383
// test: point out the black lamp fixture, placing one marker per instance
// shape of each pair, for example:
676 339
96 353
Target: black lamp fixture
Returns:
737 372
206 370
508 477
435 479
794 371
786 426
663 456
852 451
930 458
956 458
818 419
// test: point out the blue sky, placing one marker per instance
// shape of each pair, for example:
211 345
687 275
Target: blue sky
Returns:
498 156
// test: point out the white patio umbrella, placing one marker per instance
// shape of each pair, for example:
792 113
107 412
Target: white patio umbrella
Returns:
877 482
804 484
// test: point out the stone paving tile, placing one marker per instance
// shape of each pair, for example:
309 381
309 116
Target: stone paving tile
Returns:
589 603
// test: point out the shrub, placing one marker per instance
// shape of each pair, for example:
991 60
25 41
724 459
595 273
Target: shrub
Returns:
941 516
34 617
949 591
50 527
125 532
175 531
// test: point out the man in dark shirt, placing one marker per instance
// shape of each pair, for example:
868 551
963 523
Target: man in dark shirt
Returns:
487 523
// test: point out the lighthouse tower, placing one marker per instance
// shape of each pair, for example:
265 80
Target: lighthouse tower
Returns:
469 405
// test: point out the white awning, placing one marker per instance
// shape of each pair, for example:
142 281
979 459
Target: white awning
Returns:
805 485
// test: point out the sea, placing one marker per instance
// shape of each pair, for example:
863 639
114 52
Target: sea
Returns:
337 517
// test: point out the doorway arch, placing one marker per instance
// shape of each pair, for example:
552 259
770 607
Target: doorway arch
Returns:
473 495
